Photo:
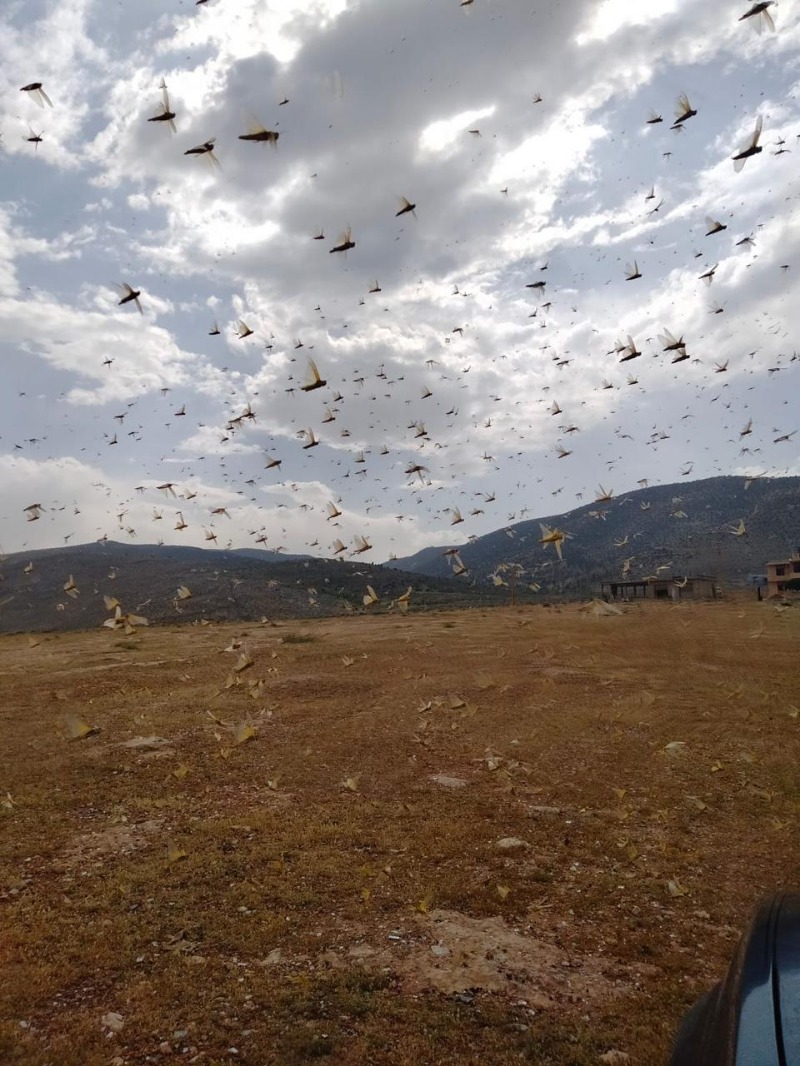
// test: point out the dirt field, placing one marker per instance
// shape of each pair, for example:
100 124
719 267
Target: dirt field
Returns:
525 835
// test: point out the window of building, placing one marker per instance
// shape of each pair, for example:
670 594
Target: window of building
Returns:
780 571
796 568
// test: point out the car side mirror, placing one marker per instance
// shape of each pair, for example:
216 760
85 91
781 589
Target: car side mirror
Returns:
752 1018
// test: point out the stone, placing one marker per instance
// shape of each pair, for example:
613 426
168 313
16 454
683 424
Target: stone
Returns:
448 782
511 843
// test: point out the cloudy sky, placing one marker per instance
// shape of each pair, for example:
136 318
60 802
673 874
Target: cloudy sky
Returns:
520 132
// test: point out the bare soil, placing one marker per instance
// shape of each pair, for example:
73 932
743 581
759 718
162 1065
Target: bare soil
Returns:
512 835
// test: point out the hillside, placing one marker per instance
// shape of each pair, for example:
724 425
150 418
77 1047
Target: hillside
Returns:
686 526
225 586
264 555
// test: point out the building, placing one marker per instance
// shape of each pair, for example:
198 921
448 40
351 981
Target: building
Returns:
696 587
784 576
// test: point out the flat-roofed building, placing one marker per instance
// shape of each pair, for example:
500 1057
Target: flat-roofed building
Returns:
688 587
783 576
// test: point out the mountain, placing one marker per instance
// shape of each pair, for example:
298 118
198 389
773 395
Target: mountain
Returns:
264 555
685 526
242 585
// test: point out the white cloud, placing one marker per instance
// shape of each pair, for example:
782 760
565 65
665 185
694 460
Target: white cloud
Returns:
62 46
252 28
442 134
611 16
143 357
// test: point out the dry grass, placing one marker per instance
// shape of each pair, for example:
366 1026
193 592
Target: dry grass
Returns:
335 902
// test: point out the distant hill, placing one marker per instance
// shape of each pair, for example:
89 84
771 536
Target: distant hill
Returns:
264 555
234 585
685 526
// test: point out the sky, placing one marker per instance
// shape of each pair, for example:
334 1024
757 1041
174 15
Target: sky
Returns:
519 131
